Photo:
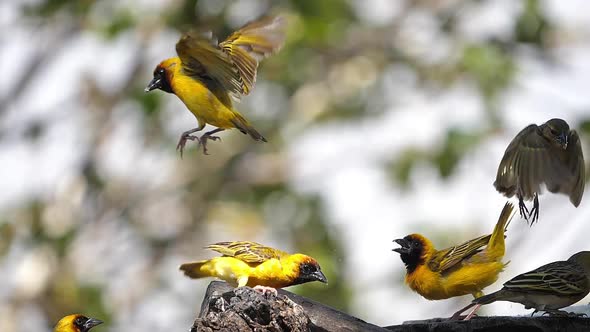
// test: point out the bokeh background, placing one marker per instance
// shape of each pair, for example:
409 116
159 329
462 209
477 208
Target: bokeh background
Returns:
384 118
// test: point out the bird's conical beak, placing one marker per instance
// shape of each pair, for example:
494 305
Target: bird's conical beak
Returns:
91 322
405 246
563 141
155 83
319 276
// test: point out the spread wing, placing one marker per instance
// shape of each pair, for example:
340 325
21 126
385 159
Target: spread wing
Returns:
530 160
232 63
559 278
450 257
571 182
249 252
203 60
252 43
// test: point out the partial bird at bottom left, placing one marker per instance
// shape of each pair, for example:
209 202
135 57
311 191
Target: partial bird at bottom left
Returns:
76 323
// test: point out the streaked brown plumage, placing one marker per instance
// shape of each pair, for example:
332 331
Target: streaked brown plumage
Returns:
550 153
548 288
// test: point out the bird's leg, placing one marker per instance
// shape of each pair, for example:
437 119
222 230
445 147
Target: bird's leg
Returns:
524 212
264 289
187 136
207 136
535 210
472 312
457 315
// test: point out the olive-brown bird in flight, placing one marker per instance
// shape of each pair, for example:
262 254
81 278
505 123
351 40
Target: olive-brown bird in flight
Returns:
550 153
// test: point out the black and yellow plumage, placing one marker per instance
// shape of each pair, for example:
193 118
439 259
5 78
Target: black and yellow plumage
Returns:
459 270
76 323
206 76
245 263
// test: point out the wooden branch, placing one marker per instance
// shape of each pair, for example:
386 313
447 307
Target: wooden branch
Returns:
497 324
244 309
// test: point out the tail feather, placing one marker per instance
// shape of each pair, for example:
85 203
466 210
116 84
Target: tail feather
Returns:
244 126
496 244
196 270
492 297
481 300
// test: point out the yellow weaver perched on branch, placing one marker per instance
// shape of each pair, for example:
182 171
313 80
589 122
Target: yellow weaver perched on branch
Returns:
251 264
463 269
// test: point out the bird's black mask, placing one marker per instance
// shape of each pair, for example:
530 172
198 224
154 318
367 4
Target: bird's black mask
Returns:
410 252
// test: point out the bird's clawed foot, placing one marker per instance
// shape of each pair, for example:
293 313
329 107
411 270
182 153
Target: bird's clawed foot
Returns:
264 290
535 210
186 136
524 212
203 141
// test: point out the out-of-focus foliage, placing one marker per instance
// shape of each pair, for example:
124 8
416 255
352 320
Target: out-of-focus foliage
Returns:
106 237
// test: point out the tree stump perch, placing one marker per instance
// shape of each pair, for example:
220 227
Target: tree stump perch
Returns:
244 309
247 310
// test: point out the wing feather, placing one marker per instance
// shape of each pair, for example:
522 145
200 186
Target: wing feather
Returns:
252 43
232 63
450 257
557 278
247 251
531 160
204 61
572 179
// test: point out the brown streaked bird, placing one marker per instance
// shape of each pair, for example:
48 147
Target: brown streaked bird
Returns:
245 263
207 76
459 270
550 153
76 323
548 288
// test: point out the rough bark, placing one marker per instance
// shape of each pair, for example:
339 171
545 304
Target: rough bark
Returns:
497 324
244 309
247 310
